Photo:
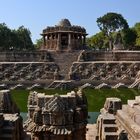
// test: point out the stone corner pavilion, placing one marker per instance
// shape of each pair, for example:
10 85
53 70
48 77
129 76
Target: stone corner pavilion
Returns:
64 37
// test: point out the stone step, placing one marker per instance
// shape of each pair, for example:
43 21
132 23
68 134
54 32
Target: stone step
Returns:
6 136
125 108
108 119
53 85
110 136
110 128
64 60
8 128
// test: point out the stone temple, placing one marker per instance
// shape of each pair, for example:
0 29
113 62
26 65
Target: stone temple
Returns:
64 61
64 37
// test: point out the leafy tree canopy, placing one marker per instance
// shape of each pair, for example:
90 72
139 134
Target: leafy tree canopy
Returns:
19 39
111 22
129 38
39 43
137 29
98 40
5 36
24 38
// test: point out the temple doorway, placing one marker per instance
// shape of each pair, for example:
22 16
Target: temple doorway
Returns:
64 41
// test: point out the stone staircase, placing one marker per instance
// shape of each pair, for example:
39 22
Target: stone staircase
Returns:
135 84
62 84
7 133
54 84
108 128
64 60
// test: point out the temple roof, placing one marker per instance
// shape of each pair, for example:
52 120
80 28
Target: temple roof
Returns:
64 23
64 26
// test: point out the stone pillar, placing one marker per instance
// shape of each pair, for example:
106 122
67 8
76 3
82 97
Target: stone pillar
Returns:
55 41
44 41
47 41
84 39
74 41
51 41
58 42
69 42
79 41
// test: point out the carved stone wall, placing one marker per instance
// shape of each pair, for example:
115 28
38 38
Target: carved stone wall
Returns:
119 122
10 120
104 70
118 66
57 117
27 71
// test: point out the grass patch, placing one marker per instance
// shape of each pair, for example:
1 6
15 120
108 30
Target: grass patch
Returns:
21 96
95 97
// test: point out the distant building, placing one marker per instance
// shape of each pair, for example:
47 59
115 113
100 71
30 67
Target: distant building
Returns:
64 36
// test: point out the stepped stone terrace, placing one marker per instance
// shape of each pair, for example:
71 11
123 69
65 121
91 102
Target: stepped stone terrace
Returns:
117 121
64 60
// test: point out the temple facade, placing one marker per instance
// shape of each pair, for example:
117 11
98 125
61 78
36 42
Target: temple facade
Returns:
64 37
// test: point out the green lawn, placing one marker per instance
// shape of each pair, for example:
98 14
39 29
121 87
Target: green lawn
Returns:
21 96
96 98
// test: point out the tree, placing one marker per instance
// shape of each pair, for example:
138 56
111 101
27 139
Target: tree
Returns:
39 43
137 29
5 37
98 40
129 38
111 22
24 39
15 39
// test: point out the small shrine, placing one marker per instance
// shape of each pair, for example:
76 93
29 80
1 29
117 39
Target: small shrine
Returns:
64 37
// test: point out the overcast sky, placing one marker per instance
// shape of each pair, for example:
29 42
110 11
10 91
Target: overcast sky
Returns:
38 14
